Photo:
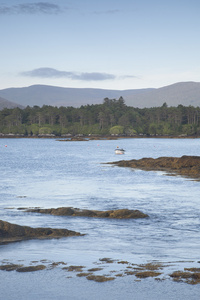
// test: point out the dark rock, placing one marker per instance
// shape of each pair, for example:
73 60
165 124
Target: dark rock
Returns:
76 212
31 268
146 274
10 267
185 165
12 233
188 277
95 269
107 260
99 278
84 274
74 268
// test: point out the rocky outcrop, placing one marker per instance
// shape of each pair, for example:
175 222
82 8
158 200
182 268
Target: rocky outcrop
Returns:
13 233
76 212
185 165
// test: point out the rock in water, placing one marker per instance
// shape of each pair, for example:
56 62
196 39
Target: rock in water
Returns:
13 233
186 165
76 212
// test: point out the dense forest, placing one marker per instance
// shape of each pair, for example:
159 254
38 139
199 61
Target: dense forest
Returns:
112 117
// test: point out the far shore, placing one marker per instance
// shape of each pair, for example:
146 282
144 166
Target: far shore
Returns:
95 137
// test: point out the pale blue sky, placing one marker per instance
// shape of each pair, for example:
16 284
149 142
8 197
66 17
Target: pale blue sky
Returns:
113 44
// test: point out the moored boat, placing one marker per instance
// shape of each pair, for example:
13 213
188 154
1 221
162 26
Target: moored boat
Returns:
119 151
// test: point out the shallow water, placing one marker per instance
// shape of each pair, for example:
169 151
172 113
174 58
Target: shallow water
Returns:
48 173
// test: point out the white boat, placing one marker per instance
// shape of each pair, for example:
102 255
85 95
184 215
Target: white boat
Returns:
119 151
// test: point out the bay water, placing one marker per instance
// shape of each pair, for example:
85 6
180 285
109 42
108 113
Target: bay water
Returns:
48 173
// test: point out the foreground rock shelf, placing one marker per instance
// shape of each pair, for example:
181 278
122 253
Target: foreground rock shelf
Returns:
76 212
14 233
108 269
186 165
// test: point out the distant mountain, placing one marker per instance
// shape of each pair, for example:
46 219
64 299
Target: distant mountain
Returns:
8 104
185 93
58 96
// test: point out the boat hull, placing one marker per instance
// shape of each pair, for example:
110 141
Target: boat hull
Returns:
119 151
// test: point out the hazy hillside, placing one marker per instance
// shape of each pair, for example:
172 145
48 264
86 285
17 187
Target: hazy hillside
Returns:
186 93
59 96
8 104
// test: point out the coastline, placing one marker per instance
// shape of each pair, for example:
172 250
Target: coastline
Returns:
96 137
188 166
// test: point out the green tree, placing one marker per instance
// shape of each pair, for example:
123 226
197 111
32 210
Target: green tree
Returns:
117 130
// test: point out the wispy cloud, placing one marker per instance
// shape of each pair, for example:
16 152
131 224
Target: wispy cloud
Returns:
43 8
31 8
128 76
107 12
53 73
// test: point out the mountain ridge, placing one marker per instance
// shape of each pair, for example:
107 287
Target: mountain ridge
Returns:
4 103
185 93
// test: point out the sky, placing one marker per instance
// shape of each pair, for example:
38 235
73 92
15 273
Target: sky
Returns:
107 44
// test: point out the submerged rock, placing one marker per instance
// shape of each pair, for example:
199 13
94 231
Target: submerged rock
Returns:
186 276
31 268
13 233
185 165
100 278
76 212
10 267
146 274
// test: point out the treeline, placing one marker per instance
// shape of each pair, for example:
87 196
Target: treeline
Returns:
112 117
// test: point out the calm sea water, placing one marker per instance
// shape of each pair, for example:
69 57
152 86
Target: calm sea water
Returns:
47 173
